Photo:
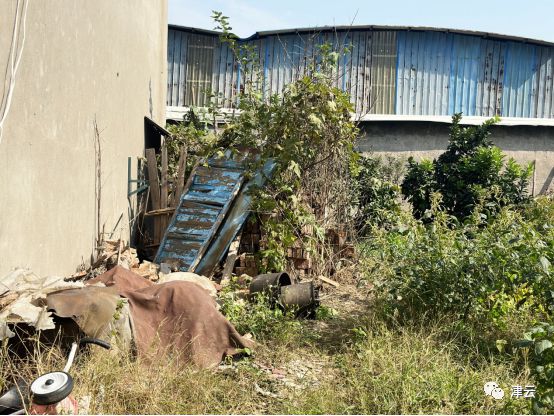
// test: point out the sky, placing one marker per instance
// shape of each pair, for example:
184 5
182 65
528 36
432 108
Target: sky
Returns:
532 19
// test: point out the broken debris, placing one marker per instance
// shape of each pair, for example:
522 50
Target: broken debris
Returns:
23 300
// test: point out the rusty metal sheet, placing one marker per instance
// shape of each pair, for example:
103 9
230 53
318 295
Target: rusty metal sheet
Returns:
233 222
388 70
202 207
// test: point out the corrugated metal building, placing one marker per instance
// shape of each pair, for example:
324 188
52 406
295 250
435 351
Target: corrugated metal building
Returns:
387 70
405 84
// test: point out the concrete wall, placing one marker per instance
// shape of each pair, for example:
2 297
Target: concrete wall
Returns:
82 61
429 139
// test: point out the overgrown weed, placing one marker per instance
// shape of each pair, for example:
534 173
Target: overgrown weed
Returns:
377 366
412 370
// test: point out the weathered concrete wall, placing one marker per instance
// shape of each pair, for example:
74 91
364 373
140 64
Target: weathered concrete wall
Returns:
82 61
422 139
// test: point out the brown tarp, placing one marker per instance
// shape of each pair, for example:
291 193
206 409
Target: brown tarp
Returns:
124 280
91 307
177 317
182 317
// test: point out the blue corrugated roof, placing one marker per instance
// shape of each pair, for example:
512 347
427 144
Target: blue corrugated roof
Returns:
388 69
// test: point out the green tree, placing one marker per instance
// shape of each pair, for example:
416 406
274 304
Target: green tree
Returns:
377 191
472 171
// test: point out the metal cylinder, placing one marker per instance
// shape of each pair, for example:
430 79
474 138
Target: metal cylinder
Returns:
270 283
302 298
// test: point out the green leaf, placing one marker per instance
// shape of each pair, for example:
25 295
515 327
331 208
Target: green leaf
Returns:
501 345
545 264
315 120
523 343
294 167
542 346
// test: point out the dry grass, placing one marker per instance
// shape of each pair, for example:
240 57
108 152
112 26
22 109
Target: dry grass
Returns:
349 364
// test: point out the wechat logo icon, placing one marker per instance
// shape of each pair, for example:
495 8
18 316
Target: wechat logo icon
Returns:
492 389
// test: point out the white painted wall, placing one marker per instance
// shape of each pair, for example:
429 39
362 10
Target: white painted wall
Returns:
82 60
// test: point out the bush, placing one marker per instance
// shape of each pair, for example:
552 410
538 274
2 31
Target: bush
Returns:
541 339
377 193
419 184
256 316
474 272
470 172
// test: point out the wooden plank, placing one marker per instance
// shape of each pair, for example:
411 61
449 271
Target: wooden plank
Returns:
153 178
163 189
180 182
164 203
154 189
329 281
230 262
162 211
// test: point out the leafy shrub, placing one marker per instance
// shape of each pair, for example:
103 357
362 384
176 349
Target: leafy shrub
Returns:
470 172
192 133
377 193
541 339
308 132
256 316
472 272
419 184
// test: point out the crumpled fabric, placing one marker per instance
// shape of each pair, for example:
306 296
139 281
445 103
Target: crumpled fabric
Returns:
98 311
177 317
122 279
202 281
182 317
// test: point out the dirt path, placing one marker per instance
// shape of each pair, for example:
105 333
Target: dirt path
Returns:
310 359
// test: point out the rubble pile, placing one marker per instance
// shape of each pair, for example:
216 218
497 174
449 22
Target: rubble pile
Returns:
118 253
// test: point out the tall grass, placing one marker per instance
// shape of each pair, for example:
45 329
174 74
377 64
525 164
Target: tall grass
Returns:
415 370
365 360
377 368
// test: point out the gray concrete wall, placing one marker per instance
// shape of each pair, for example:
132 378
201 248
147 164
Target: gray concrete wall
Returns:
82 61
422 139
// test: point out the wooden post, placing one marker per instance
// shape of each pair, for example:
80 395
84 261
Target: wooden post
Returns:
154 188
180 182
163 191
230 262
153 178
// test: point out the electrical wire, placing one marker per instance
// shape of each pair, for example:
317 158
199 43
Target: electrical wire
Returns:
14 58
